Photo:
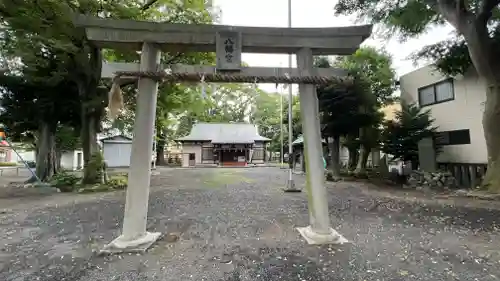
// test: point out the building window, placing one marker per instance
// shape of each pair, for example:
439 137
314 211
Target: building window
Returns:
454 137
436 93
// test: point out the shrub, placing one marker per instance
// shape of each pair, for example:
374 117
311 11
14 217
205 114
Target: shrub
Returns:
178 160
328 175
7 164
118 182
64 181
95 168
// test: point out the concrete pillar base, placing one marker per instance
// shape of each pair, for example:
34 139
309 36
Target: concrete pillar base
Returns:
290 187
314 238
139 245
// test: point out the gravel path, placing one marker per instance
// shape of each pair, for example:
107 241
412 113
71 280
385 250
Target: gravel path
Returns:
236 224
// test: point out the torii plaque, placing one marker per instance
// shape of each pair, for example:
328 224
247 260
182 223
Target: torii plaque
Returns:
228 45
151 38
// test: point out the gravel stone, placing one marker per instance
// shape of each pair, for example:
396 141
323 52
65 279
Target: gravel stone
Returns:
237 224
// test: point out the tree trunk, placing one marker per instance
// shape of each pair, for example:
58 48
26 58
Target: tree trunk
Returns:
363 158
87 74
353 158
363 153
485 55
491 119
303 158
160 154
334 147
58 160
46 158
90 124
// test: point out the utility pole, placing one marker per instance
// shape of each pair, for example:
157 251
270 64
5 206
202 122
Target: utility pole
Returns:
290 187
281 127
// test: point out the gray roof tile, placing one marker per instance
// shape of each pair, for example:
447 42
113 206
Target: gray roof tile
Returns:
224 133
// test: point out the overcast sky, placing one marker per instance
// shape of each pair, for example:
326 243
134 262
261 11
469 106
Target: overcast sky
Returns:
313 13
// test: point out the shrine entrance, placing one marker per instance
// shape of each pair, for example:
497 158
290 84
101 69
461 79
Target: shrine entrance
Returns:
233 155
228 42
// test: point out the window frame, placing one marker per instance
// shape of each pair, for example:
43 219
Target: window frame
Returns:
434 85
452 140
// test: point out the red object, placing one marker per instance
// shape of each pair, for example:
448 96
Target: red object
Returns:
234 164
4 143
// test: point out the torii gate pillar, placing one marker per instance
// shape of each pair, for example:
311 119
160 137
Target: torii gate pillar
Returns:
134 237
319 230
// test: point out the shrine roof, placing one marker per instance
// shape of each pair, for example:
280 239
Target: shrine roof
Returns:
224 133
116 139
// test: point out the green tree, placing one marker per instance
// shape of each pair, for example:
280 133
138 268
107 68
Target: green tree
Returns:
351 110
400 136
37 109
477 44
267 118
220 103
344 110
373 67
47 24
266 115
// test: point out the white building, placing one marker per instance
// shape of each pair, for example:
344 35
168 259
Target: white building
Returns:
116 150
456 105
72 160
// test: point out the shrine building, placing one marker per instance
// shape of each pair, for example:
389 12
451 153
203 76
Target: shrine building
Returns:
223 144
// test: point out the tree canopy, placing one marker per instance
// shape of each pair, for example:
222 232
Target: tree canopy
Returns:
352 110
32 29
473 20
400 136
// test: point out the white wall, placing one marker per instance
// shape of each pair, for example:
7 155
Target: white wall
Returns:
26 155
464 112
69 160
117 154
343 155
191 148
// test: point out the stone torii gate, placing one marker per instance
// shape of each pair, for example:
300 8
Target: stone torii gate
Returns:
228 42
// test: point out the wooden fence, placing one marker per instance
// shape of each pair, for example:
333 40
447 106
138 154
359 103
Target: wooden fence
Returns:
468 175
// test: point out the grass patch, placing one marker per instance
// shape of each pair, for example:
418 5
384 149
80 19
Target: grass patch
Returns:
222 178
7 164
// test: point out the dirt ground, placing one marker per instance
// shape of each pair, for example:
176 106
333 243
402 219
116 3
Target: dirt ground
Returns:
237 224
